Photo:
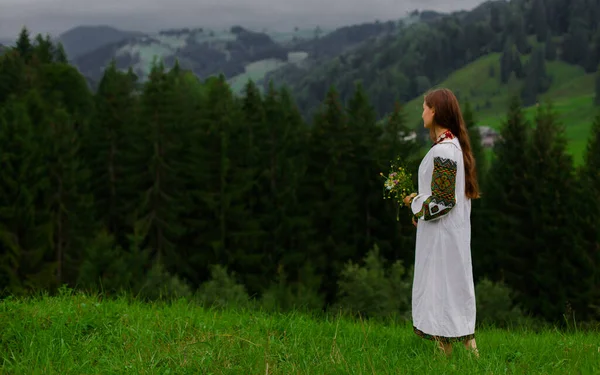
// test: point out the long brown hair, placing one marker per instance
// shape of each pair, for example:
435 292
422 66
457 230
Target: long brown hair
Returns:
448 115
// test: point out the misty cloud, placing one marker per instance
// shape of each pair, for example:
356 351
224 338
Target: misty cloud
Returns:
55 16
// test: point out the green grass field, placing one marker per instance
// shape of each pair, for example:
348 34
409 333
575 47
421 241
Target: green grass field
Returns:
571 93
75 334
257 70
254 71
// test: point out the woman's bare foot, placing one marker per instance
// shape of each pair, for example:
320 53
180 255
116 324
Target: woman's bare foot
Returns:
446 348
471 345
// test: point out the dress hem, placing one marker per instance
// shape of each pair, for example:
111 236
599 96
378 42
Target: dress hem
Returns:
443 339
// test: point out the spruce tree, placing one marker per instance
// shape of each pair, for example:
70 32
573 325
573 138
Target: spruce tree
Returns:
593 59
68 200
60 55
540 20
597 93
289 222
61 85
13 76
221 182
24 262
550 50
587 209
517 65
475 138
396 138
43 50
23 45
330 191
254 161
109 151
478 226
505 206
575 48
195 154
555 276
397 141
495 19
506 62
537 80
159 160
245 135
364 135
519 34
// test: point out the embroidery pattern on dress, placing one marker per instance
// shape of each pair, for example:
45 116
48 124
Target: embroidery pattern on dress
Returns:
443 182
443 339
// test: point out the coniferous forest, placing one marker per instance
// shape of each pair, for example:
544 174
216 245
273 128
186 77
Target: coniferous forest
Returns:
176 187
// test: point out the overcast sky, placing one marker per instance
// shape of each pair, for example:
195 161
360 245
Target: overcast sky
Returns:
56 16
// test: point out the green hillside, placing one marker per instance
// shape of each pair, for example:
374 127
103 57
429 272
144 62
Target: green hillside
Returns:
571 93
85 335
257 70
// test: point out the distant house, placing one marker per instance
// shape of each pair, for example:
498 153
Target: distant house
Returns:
489 136
408 137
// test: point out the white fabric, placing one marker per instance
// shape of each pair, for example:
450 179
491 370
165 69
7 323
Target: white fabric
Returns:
443 294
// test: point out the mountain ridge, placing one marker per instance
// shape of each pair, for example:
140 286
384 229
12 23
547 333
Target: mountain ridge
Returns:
238 53
82 39
401 67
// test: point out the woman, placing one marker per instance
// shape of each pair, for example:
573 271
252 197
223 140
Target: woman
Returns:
443 295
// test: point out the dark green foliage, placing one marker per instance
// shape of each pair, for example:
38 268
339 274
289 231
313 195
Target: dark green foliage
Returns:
550 50
179 188
505 206
510 63
12 75
537 80
396 238
374 289
496 19
23 180
43 50
222 290
539 20
475 140
496 306
531 192
115 268
399 66
593 58
159 157
282 179
62 85
23 45
364 135
254 163
551 228
518 33
575 42
68 199
331 167
588 204
60 55
597 91
109 152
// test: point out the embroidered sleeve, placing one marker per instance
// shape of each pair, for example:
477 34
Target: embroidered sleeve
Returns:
443 185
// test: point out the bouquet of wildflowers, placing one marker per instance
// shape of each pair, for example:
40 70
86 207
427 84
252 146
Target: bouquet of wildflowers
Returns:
398 183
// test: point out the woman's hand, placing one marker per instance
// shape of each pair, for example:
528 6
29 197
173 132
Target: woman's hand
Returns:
407 200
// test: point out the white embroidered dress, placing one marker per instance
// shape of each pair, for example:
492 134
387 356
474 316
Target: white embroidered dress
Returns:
443 294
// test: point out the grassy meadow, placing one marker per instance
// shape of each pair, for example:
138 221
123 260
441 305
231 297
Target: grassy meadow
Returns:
255 72
78 334
571 93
